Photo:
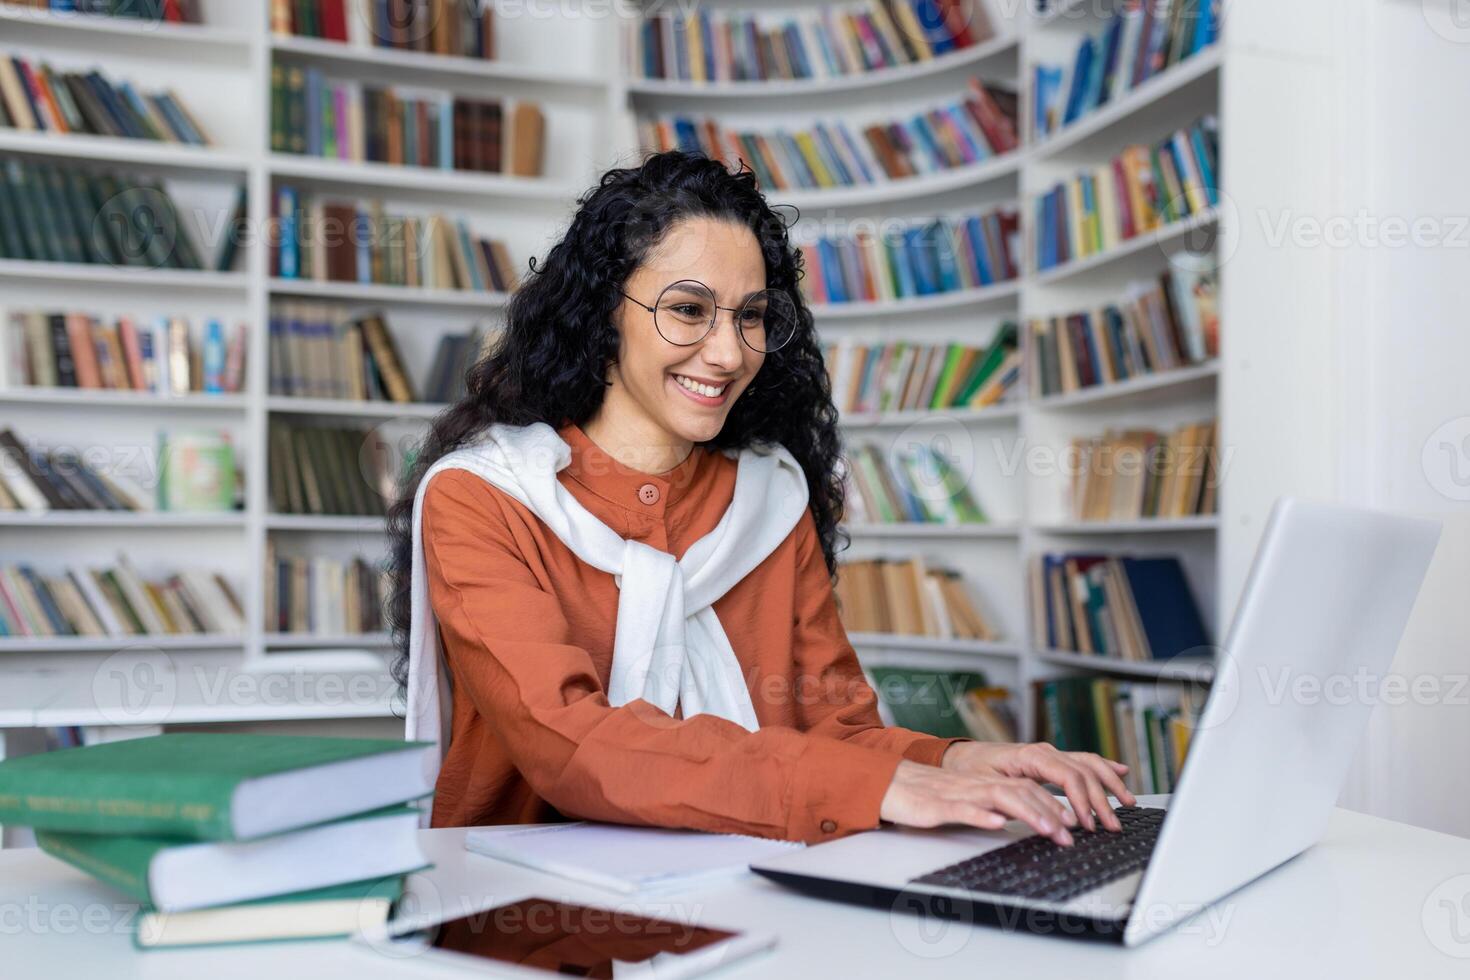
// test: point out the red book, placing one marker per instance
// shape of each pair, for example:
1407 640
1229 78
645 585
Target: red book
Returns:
1125 200
333 20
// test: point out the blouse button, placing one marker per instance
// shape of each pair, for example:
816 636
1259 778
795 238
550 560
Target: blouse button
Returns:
828 826
648 493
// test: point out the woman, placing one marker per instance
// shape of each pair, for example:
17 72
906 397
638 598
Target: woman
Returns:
661 352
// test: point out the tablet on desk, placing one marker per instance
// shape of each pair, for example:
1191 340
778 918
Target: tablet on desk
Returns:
540 937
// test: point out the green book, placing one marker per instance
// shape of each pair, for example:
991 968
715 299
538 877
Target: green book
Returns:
210 786
180 876
924 700
334 912
1005 342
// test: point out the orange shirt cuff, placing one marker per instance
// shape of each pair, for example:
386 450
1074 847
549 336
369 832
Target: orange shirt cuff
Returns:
839 789
930 749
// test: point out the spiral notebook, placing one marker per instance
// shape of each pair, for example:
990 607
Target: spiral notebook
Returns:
627 859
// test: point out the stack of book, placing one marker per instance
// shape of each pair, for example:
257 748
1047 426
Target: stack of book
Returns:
195 472
954 134
1138 191
117 601
329 471
155 11
1159 326
910 596
348 120
228 838
345 241
465 28
910 259
1141 473
35 98
918 484
166 355
314 594
823 42
1145 726
1134 609
1144 38
944 703
49 213
906 376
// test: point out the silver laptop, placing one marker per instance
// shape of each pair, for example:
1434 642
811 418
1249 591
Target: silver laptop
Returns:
1327 599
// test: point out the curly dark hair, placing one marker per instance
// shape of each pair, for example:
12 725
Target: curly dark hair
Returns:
551 361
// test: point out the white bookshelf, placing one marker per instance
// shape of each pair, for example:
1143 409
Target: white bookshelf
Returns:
574 67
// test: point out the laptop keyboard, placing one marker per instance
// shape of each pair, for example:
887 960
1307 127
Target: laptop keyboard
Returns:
1039 868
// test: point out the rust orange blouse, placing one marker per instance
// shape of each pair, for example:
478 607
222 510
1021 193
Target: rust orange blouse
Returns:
527 629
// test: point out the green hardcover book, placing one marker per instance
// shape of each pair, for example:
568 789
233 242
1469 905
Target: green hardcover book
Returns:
295 110
280 142
27 218
923 700
73 225
1005 342
334 912
180 876
10 234
952 354
44 218
209 786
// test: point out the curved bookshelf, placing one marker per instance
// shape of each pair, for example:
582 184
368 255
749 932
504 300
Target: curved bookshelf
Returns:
445 67
1179 668
974 55
1006 165
1134 390
955 299
390 176
917 416
1158 238
371 293
338 523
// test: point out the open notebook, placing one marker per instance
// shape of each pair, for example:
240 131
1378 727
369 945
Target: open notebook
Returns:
627 859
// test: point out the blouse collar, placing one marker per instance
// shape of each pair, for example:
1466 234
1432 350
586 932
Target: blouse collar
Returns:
604 475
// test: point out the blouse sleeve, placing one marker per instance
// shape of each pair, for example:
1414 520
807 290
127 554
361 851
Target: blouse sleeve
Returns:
835 698
508 644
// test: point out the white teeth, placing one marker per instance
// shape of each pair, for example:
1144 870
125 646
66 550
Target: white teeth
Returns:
702 389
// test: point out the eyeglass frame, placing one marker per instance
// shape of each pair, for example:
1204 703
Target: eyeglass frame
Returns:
713 321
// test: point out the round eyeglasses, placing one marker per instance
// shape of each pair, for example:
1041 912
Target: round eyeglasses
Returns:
685 312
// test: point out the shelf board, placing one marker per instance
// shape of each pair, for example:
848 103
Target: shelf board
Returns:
956 299
678 88
901 188
1208 522
1173 79
132 277
176 38
375 293
874 420
111 644
325 522
431 180
910 529
447 67
111 398
286 405
1124 392
302 641
121 518
1179 668
934 644
1157 238
183 158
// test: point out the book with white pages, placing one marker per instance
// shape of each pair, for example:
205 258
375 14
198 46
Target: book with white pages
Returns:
630 860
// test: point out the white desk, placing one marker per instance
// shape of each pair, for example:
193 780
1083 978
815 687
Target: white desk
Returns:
1363 903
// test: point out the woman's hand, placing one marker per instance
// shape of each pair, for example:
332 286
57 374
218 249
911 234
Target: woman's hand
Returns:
927 796
1085 777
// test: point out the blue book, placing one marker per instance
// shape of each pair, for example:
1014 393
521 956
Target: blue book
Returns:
686 135
1166 608
830 157
214 357
944 258
984 266
962 122
1092 97
921 255
898 256
681 47
831 271
1113 41
1048 89
923 137
1081 72
290 236
855 152
795 159
363 231
707 39
446 132
48 604
1089 207
1047 239
1206 168
467 245
313 112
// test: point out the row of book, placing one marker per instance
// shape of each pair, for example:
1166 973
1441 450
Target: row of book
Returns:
1170 323
823 42
978 127
348 241
1142 473
1142 39
331 864
346 120
193 471
905 376
1141 189
947 704
117 601
59 213
322 352
155 11
465 28
908 596
329 471
1118 606
315 594
165 355
1141 725
910 259
35 98
918 484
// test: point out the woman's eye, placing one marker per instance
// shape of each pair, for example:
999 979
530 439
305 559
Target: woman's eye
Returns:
688 310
